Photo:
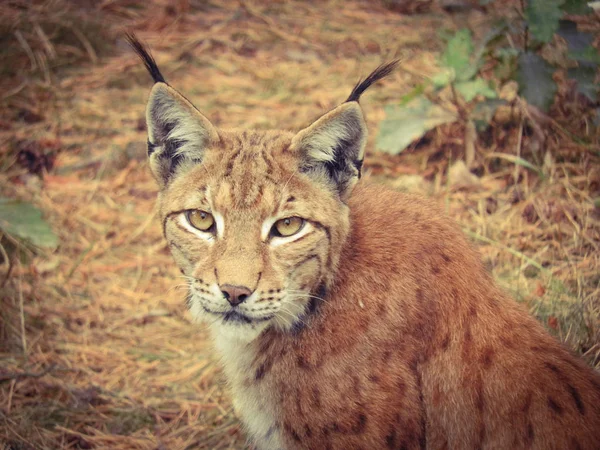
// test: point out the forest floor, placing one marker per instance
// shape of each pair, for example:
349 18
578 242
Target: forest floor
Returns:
98 350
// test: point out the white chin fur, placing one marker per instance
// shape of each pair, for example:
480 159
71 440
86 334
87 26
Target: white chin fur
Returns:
236 331
227 330
290 313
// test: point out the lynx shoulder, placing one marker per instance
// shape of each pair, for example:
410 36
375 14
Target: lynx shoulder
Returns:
349 316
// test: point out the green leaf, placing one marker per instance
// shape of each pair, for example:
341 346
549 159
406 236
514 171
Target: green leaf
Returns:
484 111
443 78
585 76
471 89
588 55
534 76
515 160
414 93
404 124
542 17
483 46
576 7
506 53
577 40
458 53
473 58
24 221
506 62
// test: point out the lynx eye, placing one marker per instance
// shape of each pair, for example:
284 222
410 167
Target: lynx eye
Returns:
287 227
201 220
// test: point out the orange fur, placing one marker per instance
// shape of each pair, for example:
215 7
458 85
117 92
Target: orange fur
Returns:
415 347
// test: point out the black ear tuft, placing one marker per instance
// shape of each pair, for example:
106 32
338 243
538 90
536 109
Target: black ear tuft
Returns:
381 72
146 57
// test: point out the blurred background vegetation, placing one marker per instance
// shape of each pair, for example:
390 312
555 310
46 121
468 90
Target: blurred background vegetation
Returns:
494 111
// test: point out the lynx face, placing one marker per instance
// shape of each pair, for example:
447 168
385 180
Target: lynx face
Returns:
255 220
253 235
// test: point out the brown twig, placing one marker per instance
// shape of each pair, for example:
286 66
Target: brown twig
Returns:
8 260
21 375
526 30
274 28
22 312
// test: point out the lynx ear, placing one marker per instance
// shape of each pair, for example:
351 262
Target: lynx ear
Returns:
332 148
178 134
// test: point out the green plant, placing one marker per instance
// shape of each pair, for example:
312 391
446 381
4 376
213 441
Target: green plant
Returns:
542 19
459 92
23 230
448 97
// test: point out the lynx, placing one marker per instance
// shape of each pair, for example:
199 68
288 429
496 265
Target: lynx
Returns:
349 316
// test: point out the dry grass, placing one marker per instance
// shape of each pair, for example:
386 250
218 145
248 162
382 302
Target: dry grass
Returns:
109 358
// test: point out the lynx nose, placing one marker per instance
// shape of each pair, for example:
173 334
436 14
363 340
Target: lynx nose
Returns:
235 294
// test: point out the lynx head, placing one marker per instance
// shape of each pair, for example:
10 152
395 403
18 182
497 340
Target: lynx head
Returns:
256 220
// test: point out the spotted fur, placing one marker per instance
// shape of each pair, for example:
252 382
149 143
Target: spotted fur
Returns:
375 326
